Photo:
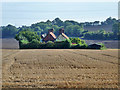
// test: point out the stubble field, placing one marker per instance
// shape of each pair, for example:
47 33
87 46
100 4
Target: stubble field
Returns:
60 68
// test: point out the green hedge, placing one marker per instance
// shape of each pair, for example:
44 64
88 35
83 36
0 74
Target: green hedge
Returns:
35 44
79 46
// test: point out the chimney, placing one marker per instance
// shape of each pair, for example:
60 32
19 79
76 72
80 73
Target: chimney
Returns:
61 30
50 30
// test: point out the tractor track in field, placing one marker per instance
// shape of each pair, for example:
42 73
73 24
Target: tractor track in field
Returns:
111 56
9 60
93 58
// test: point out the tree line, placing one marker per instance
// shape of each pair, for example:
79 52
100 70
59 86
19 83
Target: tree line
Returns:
72 29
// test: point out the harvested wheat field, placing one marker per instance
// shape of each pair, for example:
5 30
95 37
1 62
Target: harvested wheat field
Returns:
60 68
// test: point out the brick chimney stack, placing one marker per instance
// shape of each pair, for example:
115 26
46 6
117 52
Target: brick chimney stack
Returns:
50 30
61 30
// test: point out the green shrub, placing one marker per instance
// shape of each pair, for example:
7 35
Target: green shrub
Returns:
59 44
67 44
83 46
75 40
34 44
74 46
63 44
102 46
50 44
29 35
42 45
24 41
23 45
79 46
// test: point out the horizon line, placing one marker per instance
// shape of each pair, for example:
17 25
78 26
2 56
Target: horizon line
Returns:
54 19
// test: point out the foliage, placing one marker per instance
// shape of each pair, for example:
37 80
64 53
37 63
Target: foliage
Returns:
35 44
63 44
27 35
79 43
9 31
75 40
102 46
79 46
103 35
67 43
24 41
100 35
49 44
116 30
57 22
59 44
72 29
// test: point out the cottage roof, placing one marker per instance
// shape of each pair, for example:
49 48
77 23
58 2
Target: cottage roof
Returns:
64 36
53 35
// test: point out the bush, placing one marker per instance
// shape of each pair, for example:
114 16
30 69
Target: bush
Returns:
34 44
29 35
42 45
67 44
79 46
24 41
83 46
102 46
63 44
75 40
50 45
59 44
23 45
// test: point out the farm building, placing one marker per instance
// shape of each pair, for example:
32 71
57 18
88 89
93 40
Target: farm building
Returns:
61 35
50 36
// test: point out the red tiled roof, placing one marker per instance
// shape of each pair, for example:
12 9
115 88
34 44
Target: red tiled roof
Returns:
53 35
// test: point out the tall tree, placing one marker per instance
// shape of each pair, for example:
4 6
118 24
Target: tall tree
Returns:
116 29
9 31
58 22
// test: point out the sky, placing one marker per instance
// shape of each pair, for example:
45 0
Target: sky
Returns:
59 0
26 13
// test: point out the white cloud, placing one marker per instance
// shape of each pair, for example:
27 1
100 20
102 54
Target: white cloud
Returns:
59 0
